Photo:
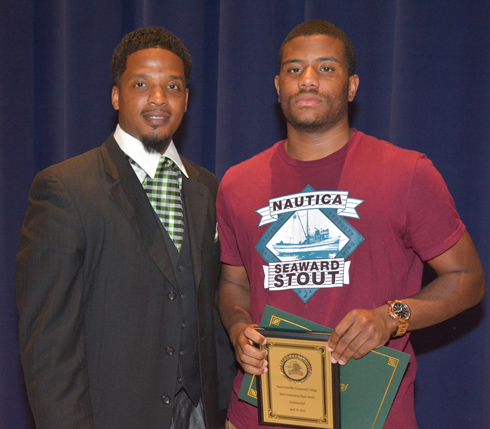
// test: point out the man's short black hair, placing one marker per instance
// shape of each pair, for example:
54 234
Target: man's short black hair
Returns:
144 38
319 26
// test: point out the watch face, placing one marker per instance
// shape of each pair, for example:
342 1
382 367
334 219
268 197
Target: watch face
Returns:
401 310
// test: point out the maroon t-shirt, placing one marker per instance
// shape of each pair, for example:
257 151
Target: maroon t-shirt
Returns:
323 237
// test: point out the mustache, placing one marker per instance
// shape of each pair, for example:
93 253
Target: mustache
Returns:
307 91
153 110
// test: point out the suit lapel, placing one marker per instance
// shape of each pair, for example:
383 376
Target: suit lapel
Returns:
132 199
196 206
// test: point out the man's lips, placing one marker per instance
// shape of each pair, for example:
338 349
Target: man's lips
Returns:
156 118
307 99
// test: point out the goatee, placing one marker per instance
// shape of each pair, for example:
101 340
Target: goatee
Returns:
155 144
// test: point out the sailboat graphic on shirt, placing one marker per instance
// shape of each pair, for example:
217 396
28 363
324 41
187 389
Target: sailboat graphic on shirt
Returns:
317 234
303 242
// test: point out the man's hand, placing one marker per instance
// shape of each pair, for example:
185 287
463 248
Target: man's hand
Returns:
251 358
234 306
460 285
360 332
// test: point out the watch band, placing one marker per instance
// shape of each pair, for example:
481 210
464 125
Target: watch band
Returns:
403 322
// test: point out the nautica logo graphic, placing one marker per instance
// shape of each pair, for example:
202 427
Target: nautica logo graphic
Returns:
308 241
309 200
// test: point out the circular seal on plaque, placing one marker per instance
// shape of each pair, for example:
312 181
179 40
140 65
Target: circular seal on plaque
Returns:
295 368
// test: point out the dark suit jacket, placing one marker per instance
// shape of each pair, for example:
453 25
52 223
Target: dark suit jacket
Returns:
96 296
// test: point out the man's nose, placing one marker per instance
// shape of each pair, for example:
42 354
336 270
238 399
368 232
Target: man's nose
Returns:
309 78
157 96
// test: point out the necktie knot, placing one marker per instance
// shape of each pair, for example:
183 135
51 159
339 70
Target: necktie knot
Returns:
168 163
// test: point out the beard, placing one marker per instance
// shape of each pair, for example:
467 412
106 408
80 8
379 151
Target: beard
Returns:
154 143
309 123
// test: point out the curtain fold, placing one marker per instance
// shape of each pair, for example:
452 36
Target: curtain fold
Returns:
424 85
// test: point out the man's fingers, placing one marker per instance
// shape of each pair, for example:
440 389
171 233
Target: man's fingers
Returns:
251 358
338 340
345 345
250 369
252 353
254 336
357 334
351 348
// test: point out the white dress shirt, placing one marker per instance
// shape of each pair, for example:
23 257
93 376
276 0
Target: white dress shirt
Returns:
147 162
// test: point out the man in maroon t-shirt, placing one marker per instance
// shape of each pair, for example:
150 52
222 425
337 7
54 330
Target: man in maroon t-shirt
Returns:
316 82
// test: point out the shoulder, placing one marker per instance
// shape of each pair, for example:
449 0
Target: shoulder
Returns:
84 176
73 170
108 155
407 170
251 168
384 155
76 165
201 174
385 148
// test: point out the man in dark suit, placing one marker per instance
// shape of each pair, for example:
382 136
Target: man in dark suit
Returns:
118 324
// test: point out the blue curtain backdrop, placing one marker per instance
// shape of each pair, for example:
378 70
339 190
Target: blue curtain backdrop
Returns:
424 85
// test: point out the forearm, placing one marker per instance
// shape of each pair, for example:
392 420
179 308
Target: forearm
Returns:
234 307
445 297
460 285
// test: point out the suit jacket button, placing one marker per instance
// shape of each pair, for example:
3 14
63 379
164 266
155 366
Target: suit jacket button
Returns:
165 399
180 268
169 351
171 296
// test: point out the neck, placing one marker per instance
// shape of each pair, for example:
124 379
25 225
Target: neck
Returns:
306 146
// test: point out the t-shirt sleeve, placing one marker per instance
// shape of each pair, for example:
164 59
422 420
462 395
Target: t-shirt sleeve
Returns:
230 253
434 225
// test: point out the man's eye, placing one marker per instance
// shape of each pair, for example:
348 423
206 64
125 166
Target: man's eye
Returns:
326 69
294 70
173 86
139 85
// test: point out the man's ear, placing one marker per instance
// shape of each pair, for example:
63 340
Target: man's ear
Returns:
186 99
115 97
276 83
353 85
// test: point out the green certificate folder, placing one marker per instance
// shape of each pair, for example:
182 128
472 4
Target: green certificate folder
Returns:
367 386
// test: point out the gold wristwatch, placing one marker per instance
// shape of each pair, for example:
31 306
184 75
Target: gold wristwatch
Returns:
401 313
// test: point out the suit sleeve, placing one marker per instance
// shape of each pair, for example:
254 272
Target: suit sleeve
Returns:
50 299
